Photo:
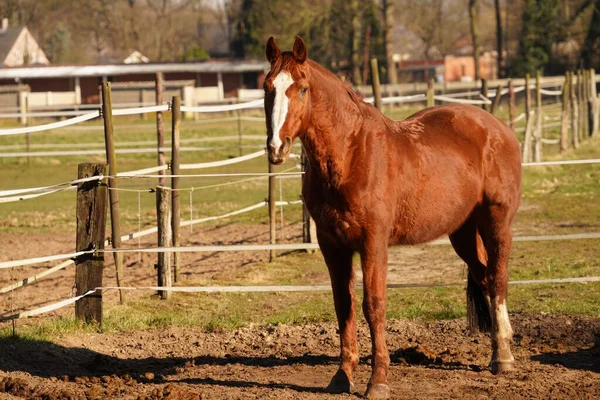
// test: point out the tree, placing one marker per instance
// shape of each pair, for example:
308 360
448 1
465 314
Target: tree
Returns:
590 53
474 35
388 27
499 40
540 30
57 47
440 24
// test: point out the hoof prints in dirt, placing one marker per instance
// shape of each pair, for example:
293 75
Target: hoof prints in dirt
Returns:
95 389
556 357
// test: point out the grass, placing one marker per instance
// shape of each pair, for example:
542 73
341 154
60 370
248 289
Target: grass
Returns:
555 200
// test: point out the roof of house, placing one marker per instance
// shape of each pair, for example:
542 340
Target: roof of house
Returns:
66 71
8 37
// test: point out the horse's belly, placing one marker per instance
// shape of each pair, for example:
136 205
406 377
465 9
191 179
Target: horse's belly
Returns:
435 214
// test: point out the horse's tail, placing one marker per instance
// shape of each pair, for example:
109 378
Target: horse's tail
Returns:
478 313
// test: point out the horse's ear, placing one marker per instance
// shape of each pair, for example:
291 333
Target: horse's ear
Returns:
300 52
272 50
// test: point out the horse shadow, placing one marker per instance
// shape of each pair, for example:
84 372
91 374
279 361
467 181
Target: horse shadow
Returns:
50 360
587 359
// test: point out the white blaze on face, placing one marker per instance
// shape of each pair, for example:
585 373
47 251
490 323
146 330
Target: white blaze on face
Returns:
280 108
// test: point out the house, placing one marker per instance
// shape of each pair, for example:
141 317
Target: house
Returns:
135 58
447 69
65 86
18 47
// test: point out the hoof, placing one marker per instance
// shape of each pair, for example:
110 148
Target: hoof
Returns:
499 367
378 391
340 383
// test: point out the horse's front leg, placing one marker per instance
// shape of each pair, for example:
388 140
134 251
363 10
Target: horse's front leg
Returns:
374 266
339 263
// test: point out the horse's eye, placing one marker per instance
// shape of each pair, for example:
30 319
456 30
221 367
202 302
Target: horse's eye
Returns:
303 90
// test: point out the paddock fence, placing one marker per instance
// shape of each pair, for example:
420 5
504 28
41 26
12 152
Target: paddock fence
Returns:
96 251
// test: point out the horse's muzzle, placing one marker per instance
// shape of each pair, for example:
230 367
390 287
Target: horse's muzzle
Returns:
279 156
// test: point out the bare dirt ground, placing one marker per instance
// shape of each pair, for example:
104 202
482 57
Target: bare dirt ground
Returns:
556 357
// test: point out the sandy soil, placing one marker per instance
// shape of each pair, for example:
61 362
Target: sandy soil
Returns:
556 357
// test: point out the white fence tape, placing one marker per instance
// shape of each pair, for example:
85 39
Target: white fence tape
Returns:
261 289
47 308
258 247
36 277
65 153
551 92
139 110
565 162
230 214
229 119
125 238
43 189
223 162
288 203
38 260
403 99
144 171
520 117
461 101
210 109
53 125
278 174
39 114
30 196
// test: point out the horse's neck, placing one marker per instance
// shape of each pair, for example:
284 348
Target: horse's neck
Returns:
335 122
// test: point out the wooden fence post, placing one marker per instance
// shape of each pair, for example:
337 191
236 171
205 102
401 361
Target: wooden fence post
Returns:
581 105
564 117
527 139
272 200
92 205
539 119
595 103
240 129
430 93
527 100
160 135
511 103
497 98
309 234
164 240
574 110
484 93
589 99
175 195
375 83
113 194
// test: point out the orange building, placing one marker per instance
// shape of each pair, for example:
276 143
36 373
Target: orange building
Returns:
448 69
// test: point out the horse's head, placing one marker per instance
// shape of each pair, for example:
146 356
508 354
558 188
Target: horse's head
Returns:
287 98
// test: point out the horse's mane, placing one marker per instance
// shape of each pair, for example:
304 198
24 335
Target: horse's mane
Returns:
356 97
287 62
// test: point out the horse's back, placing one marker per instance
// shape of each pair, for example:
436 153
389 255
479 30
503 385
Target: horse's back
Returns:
470 129
463 156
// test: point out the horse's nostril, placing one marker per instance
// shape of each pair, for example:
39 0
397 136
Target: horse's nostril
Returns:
271 148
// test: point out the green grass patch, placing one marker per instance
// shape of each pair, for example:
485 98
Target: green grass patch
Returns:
227 311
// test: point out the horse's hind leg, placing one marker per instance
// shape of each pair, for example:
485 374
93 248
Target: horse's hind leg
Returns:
495 226
469 246
339 264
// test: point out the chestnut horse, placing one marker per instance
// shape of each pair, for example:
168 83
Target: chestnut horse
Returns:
372 182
